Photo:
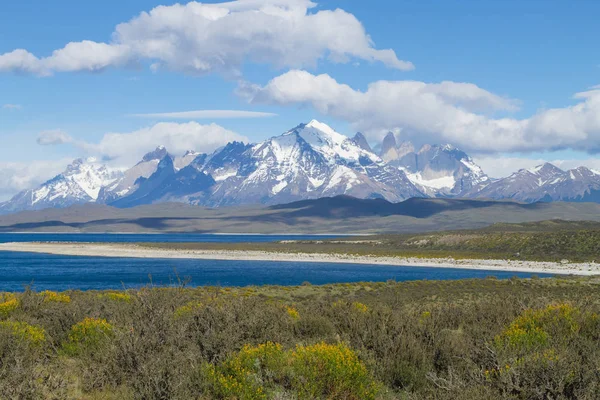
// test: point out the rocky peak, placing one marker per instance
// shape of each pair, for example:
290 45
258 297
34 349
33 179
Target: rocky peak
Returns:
158 154
362 142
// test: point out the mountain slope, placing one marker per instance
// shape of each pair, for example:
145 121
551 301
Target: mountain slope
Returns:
438 171
129 181
80 183
545 182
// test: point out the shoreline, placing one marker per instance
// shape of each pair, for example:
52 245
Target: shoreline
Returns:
128 250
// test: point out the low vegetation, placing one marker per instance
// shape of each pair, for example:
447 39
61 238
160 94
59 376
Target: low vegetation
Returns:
556 241
470 339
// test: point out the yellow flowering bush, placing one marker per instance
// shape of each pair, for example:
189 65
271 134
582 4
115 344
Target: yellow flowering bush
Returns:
116 296
293 313
331 371
8 303
54 297
22 331
533 328
307 372
240 376
360 307
187 309
88 334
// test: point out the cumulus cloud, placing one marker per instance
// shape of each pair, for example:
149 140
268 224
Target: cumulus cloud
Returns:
203 38
125 149
448 112
12 107
207 114
53 137
18 176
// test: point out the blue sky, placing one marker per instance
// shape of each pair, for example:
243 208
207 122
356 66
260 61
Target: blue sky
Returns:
523 58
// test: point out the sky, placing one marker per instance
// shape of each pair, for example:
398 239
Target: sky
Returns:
512 83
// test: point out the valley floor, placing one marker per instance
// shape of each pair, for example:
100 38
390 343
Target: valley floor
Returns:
203 251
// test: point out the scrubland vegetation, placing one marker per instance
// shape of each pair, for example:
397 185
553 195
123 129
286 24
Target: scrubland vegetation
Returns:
537 241
471 339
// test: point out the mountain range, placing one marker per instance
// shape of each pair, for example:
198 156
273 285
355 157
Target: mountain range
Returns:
310 161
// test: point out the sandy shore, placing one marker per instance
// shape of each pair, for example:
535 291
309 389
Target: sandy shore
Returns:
135 251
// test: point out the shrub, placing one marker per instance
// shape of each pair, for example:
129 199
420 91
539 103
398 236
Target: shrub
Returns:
532 329
24 332
332 372
187 309
8 303
293 313
243 375
307 372
54 297
116 296
88 335
360 307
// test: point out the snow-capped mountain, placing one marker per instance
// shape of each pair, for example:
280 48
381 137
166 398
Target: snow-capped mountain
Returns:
545 182
436 170
168 183
80 183
307 162
130 179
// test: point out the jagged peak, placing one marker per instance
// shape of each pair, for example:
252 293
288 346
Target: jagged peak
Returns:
362 142
157 154
389 140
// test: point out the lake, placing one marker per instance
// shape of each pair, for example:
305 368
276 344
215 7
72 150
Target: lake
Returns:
154 238
58 272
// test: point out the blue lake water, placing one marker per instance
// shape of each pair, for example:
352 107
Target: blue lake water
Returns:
57 272
145 237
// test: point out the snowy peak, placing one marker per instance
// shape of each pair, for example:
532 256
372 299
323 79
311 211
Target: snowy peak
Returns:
331 144
439 170
81 182
546 169
546 182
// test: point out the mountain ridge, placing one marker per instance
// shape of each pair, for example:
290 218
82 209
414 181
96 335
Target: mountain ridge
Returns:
309 161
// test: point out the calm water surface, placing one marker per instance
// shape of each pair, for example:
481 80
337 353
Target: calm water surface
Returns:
145 237
57 272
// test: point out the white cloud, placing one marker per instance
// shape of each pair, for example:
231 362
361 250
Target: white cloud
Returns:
53 137
126 149
207 114
500 167
12 107
17 176
203 38
438 113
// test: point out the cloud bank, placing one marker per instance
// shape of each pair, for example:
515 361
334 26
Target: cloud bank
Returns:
201 38
447 112
126 149
207 114
18 176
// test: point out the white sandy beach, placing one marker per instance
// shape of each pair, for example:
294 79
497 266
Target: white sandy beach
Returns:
135 251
